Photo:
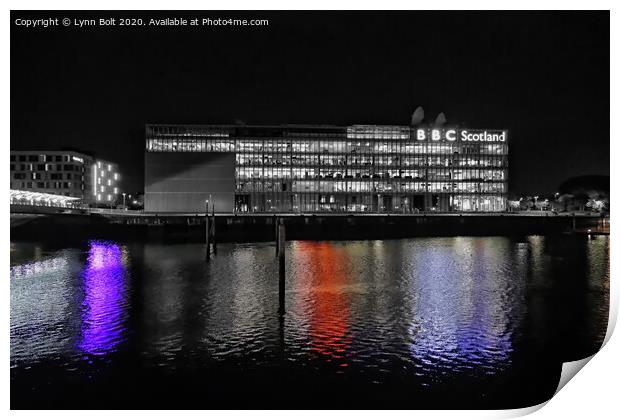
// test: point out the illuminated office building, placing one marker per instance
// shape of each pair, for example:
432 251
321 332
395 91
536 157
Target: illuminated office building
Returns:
325 169
64 173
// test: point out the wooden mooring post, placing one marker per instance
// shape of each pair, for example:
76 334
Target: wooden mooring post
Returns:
280 241
207 235
276 225
213 235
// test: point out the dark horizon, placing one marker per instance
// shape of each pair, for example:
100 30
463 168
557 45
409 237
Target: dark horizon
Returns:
544 76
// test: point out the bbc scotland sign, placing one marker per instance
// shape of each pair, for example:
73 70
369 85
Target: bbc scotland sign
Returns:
464 135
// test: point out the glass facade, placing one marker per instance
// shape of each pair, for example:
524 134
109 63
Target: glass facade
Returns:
360 168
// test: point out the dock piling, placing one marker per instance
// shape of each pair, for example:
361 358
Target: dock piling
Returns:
207 235
281 265
276 225
213 235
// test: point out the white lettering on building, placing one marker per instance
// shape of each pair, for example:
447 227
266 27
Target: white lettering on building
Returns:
482 136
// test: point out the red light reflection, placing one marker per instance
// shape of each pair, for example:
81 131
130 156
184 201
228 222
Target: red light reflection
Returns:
326 280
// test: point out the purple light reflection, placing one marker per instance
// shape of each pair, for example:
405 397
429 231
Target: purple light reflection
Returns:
103 309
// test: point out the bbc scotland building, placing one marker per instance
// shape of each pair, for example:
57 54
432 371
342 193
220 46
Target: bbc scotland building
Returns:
325 169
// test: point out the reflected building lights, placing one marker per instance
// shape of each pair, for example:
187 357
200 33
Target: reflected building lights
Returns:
103 307
47 266
325 282
40 308
446 333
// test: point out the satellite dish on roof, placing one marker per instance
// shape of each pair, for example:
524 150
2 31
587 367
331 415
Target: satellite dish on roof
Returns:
441 119
418 116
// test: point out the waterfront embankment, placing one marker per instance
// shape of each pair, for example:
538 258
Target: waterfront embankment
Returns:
255 228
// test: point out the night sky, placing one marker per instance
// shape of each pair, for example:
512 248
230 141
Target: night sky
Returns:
543 76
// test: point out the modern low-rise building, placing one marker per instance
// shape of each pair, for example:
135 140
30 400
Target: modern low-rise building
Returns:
318 168
65 173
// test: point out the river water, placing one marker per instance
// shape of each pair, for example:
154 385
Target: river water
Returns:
461 322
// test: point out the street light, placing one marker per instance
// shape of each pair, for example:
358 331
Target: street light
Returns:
124 202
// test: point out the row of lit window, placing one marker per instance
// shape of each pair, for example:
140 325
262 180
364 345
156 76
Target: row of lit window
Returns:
103 189
45 158
185 131
45 185
366 203
241 146
333 173
102 174
57 167
351 161
370 187
102 166
108 197
492 176
43 175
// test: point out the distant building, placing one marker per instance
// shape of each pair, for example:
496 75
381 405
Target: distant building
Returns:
65 173
325 169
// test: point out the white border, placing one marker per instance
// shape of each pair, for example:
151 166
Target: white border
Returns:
592 394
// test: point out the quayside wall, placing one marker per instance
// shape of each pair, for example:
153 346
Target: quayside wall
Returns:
231 228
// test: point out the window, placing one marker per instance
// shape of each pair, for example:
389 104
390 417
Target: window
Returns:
22 158
19 176
13 158
33 158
